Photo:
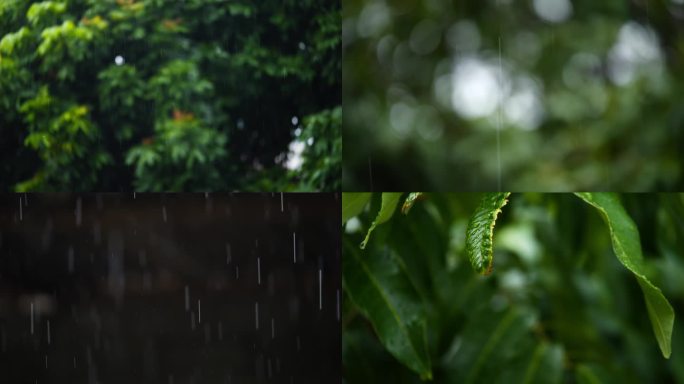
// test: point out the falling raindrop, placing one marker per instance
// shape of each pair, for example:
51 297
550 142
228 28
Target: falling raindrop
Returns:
199 312
320 289
272 328
21 213
256 313
32 317
48 332
187 298
259 270
281 202
294 248
338 305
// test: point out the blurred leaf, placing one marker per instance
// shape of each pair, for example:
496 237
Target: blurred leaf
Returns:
389 204
625 239
382 291
410 200
353 204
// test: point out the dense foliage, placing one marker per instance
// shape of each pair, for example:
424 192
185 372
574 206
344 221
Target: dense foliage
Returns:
170 95
583 288
535 95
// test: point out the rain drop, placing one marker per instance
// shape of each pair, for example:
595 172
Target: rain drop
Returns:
294 248
256 314
187 298
32 317
259 270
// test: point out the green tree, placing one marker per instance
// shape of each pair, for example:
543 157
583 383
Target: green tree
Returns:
169 95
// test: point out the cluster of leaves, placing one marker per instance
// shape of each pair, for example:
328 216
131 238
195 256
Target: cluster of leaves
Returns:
168 95
575 291
603 95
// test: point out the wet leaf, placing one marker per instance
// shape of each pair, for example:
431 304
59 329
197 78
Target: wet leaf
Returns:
389 204
480 232
382 291
625 238
410 200
353 204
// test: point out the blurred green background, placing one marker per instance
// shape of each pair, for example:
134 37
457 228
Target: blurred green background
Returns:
558 306
584 95
170 95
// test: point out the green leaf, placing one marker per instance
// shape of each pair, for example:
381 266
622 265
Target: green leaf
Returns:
383 293
353 204
389 204
625 238
410 200
480 231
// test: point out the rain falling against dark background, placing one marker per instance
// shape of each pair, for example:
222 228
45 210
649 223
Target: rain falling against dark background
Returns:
175 288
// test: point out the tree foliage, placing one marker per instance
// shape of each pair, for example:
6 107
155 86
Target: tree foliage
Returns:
169 95
583 289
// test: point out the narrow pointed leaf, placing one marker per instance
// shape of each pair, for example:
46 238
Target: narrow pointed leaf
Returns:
480 232
353 204
389 204
410 200
625 238
383 293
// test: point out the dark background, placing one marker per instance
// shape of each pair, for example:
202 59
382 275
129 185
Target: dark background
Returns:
117 309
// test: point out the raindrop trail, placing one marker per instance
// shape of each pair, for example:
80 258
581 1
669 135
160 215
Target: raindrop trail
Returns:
45 361
338 305
272 328
48 332
259 270
498 122
320 289
21 212
281 202
294 247
187 298
256 314
32 317
199 312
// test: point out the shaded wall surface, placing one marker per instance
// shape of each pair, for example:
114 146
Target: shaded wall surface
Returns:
174 288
